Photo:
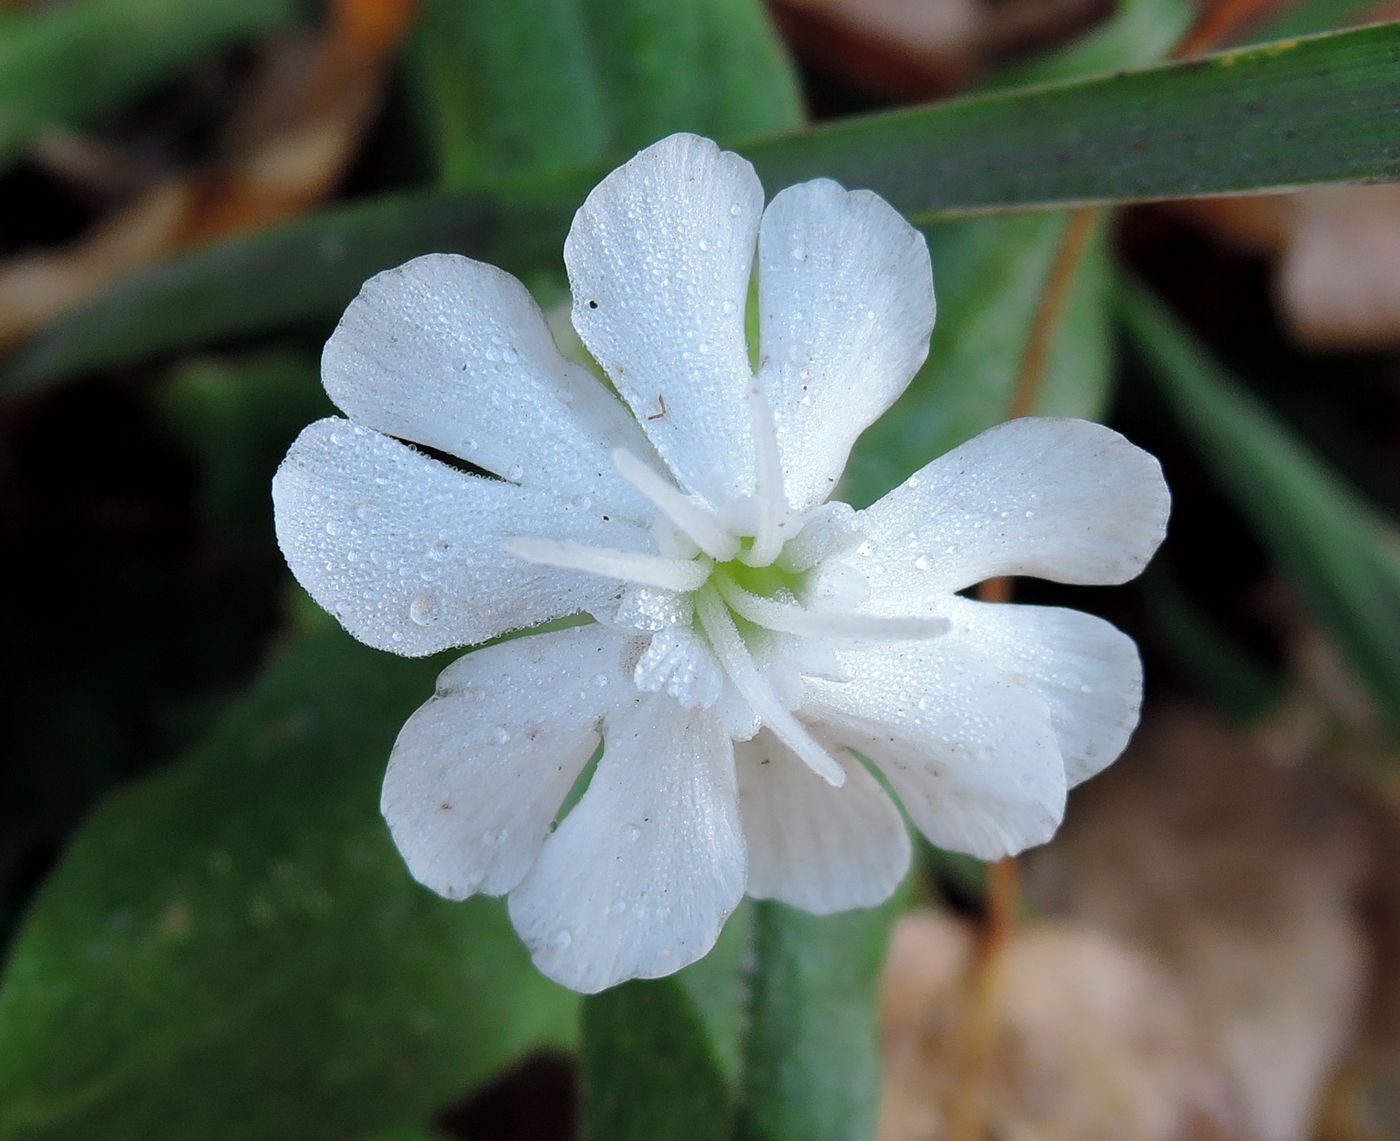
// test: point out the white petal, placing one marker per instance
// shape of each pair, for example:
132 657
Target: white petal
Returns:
409 554
813 846
455 354
1066 500
641 875
1085 669
479 772
846 310
659 258
971 753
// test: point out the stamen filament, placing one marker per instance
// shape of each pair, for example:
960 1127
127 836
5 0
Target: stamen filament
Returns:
770 499
738 664
789 618
682 575
695 521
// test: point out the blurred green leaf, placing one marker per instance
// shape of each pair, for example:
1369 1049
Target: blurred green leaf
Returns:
519 86
1328 541
649 1072
661 1057
776 1026
1279 115
811 1069
989 274
73 62
233 949
1139 33
237 416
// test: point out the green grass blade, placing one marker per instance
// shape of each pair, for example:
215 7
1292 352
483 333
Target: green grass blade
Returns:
1322 535
1291 114
66 66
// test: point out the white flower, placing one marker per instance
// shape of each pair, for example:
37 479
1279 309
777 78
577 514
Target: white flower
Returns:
748 634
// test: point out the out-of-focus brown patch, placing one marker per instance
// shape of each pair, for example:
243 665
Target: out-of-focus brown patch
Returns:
1094 1042
1337 258
1247 874
284 149
902 50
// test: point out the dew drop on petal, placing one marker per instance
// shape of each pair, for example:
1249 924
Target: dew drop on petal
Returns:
425 609
500 735
921 563
561 939
515 472
632 834
600 680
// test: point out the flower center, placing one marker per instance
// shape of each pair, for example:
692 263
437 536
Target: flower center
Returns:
742 573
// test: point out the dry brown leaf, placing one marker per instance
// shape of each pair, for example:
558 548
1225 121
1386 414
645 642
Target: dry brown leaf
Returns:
286 148
1245 877
1093 1042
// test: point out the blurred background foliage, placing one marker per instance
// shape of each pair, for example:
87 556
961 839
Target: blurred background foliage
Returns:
206 931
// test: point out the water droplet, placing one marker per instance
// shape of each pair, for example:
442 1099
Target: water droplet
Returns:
332 528
704 245
726 306
497 836
921 563
600 680
617 907
734 211
631 834
440 550
515 472
924 704
510 354
500 735
424 609
561 939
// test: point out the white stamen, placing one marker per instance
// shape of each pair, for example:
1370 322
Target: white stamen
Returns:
739 666
629 566
769 497
789 618
696 521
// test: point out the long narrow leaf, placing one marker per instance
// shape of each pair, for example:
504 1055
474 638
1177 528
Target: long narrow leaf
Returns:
1302 112
65 66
